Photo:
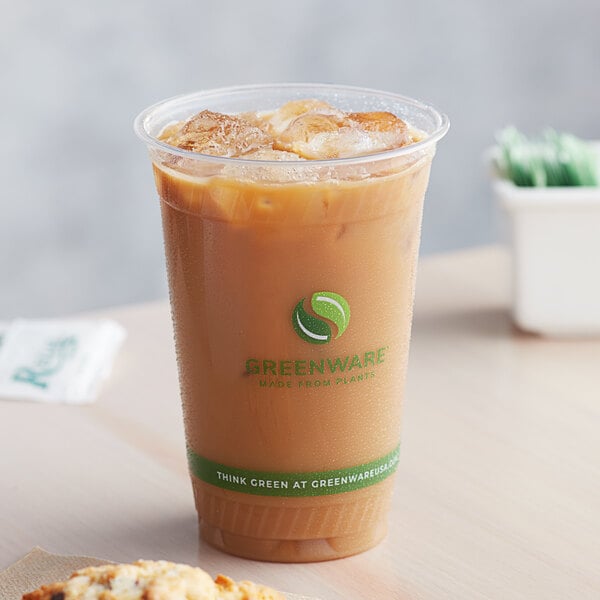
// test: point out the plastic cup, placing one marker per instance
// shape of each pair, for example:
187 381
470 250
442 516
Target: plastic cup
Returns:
291 286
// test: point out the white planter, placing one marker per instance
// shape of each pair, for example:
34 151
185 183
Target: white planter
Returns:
556 257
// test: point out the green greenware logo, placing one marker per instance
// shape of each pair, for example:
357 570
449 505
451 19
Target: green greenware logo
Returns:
330 306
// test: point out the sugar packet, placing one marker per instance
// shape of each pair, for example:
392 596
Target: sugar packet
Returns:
57 360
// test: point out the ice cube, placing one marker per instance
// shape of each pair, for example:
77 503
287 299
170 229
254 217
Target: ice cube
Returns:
257 118
315 135
259 170
270 154
311 135
385 129
170 132
305 127
280 119
218 134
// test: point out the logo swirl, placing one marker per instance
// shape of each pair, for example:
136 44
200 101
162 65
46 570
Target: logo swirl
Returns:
330 306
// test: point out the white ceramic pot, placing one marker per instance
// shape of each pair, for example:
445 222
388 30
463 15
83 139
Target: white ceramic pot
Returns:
556 257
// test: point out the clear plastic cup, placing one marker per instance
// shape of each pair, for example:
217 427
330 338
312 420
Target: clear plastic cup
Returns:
291 287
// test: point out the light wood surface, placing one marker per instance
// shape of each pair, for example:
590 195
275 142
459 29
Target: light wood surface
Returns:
498 489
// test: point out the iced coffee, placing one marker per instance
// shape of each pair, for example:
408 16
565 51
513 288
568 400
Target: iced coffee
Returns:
291 236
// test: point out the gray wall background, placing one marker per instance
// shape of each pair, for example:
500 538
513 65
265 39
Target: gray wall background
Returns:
80 223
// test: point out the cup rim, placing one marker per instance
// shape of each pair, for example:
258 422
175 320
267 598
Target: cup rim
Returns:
142 118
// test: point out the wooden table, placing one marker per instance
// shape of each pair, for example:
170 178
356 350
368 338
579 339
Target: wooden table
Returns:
498 490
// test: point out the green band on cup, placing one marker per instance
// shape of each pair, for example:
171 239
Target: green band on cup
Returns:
319 483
